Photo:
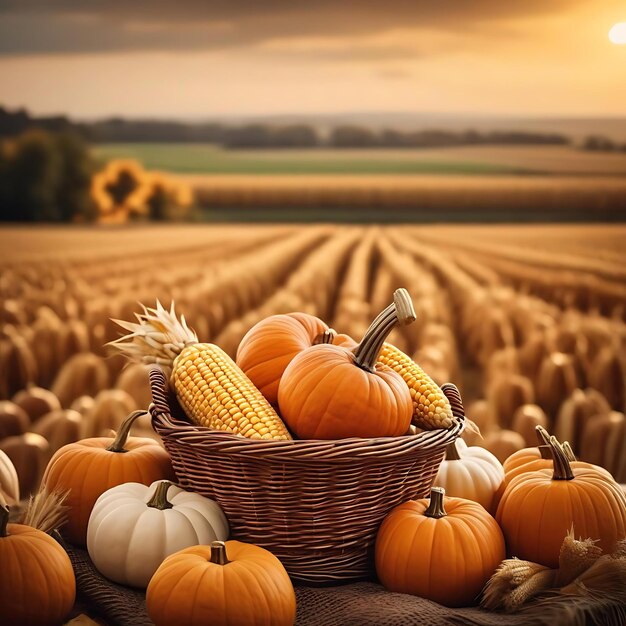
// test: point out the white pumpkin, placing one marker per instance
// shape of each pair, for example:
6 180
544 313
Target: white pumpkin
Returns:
470 472
133 528
9 483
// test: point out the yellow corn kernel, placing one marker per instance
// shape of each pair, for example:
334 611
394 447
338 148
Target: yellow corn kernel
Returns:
215 393
431 408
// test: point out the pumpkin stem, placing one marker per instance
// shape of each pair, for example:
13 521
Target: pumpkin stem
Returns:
122 434
569 453
543 436
218 553
328 336
400 312
435 507
4 519
545 453
452 452
159 497
562 468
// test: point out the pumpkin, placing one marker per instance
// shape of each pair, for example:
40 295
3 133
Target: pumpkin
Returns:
37 586
29 453
59 428
540 457
13 419
526 456
132 528
526 419
89 467
503 443
332 392
444 549
36 401
470 472
9 482
271 344
225 584
538 509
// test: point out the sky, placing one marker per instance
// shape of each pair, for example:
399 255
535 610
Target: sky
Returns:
216 58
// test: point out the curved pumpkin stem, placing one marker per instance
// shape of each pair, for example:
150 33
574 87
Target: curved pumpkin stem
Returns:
401 312
562 468
218 553
543 436
569 453
4 519
159 497
545 453
435 507
328 336
452 452
122 434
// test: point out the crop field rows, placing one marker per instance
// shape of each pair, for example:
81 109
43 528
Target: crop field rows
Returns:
529 322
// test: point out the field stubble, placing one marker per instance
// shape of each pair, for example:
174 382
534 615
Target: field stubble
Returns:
515 316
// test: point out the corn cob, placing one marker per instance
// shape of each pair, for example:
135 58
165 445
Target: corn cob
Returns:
210 387
431 408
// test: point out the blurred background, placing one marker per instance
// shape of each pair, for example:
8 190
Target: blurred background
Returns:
315 156
407 111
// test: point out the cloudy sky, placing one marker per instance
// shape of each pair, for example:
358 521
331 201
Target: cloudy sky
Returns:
203 58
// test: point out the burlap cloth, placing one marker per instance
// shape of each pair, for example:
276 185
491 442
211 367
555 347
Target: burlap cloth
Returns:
358 604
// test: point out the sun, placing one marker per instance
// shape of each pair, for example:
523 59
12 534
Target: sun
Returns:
617 34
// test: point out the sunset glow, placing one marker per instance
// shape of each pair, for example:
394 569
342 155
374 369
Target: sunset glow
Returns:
230 59
617 34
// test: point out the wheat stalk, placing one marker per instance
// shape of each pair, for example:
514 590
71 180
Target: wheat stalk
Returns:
46 510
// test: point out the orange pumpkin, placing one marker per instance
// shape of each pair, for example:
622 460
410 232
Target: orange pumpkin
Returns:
538 509
525 456
90 467
331 392
225 584
269 346
540 457
37 586
443 550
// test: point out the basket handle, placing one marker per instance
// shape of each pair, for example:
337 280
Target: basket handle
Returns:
451 392
159 407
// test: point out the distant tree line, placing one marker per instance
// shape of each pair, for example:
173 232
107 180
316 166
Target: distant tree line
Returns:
359 137
598 143
118 130
45 176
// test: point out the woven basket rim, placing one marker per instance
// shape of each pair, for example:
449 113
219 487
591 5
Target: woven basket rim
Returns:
296 449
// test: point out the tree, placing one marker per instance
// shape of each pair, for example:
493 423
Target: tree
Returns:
45 177
353 137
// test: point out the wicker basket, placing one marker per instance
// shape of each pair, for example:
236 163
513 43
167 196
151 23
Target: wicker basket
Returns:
316 505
